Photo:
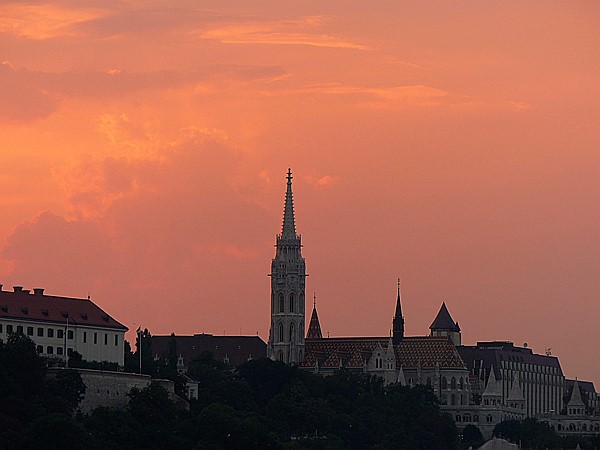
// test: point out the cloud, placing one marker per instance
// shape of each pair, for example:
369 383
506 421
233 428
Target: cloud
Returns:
324 181
281 32
148 231
22 100
30 95
45 20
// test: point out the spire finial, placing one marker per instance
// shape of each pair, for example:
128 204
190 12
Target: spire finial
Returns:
398 322
314 300
288 230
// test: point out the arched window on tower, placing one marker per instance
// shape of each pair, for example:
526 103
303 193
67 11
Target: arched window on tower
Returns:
453 383
444 383
280 356
292 301
280 332
281 302
292 332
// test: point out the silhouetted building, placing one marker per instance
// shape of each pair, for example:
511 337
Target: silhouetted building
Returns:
233 350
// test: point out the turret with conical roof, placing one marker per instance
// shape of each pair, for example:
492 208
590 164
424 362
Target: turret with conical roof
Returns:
576 405
444 325
492 395
288 279
515 398
398 323
314 327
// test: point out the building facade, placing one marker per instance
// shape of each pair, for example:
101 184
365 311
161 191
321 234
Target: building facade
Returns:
577 418
60 326
288 287
541 377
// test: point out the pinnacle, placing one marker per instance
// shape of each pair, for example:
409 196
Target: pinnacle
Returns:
288 230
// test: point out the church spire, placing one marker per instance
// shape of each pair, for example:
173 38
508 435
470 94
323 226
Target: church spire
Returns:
398 323
288 282
314 328
288 230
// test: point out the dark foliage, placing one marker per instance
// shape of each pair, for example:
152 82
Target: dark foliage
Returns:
472 437
261 405
35 409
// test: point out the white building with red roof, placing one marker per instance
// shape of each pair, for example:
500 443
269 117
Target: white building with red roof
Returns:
60 326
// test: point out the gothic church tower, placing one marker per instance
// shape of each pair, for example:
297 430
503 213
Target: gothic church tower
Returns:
288 278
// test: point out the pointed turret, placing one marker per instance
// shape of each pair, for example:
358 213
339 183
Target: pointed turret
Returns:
576 405
314 328
515 394
288 229
398 323
444 325
492 395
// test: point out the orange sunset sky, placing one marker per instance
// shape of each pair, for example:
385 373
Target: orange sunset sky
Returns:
145 144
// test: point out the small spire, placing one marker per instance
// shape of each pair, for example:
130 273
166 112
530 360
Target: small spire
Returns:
314 327
399 301
398 322
288 229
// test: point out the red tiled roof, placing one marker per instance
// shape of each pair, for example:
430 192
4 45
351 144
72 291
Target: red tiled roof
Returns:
354 352
38 307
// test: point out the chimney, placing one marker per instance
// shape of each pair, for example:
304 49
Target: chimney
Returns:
18 288
1 287
38 291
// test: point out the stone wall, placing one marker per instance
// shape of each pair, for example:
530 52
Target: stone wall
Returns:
108 389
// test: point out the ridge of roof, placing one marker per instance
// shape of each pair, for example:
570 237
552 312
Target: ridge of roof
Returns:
39 307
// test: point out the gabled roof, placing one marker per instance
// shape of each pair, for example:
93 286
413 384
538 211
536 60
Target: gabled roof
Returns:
354 352
444 321
22 305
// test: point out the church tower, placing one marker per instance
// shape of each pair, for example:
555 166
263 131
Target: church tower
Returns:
288 278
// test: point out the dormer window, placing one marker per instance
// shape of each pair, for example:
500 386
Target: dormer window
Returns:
25 310
84 316
45 312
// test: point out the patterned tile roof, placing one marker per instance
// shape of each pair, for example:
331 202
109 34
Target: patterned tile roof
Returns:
353 352
20 304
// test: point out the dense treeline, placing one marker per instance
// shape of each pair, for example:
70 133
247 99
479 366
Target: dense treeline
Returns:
34 407
533 434
261 405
